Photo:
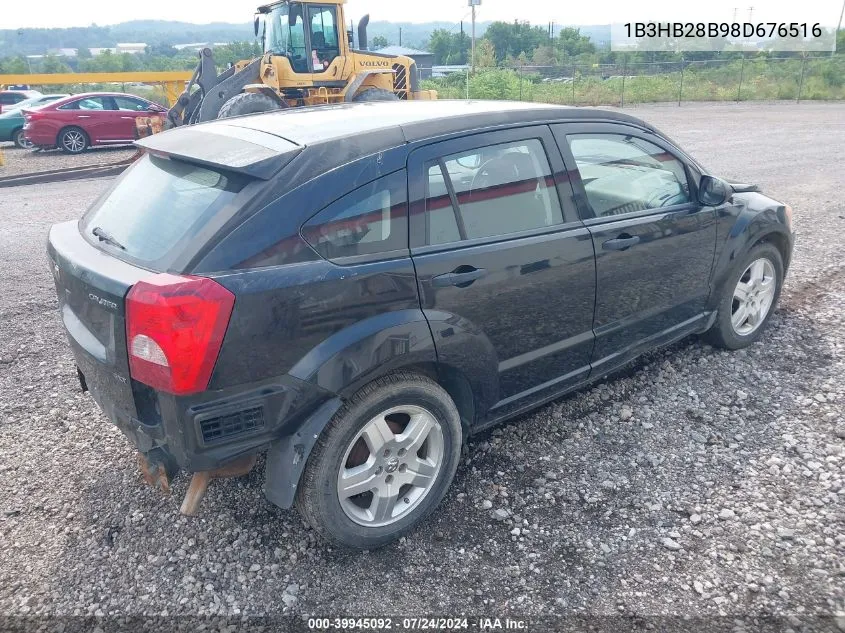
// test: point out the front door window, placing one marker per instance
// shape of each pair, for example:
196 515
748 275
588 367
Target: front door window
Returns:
324 43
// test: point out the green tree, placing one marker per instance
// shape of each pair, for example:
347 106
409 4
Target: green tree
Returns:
573 44
448 47
485 54
53 65
161 50
379 41
513 39
14 66
545 55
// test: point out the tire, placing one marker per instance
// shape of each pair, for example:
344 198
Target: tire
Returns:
20 140
374 94
73 140
248 103
725 332
355 521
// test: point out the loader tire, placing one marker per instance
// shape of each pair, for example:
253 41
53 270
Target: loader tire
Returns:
248 103
375 94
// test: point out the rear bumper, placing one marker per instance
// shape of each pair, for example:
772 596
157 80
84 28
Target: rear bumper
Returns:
38 135
209 430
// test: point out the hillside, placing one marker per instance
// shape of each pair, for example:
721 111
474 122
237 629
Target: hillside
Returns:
15 42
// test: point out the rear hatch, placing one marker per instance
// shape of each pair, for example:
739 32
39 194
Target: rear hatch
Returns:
91 287
153 214
163 206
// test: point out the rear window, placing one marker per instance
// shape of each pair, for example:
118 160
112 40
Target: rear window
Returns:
156 204
9 98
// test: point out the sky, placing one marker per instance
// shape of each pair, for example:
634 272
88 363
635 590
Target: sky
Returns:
58 13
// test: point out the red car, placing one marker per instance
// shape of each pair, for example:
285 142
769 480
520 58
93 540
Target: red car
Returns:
95 118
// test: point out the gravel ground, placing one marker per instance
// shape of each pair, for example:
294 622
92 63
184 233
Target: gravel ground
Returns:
25 161
699 483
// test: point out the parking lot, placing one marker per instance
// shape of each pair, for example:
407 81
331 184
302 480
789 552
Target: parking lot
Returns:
698 483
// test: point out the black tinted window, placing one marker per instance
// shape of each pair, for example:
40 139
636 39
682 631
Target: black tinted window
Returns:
625 174
159 202
499 189
371 219
10 98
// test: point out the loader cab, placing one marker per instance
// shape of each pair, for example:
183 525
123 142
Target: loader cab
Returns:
306 33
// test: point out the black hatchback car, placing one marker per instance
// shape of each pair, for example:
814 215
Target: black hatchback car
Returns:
355 289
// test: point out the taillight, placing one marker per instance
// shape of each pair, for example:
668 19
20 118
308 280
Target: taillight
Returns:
32 116
174 330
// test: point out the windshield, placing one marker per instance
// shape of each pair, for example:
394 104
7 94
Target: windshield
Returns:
156 204
285 32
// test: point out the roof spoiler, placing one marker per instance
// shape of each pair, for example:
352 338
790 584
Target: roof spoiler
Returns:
226 147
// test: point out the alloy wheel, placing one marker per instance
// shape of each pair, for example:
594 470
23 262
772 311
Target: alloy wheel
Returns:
73 141
21 140
753 296
390 466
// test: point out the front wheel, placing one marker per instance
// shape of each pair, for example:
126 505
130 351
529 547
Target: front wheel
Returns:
248 103
374 94
383 463
749 297
20 140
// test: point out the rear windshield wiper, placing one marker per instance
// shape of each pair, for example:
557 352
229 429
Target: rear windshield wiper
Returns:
104 236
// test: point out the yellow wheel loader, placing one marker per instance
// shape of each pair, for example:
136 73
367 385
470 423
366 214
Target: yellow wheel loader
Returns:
308 60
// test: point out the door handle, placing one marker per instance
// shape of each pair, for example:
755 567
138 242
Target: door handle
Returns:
131 118
621 243
461 277
83 116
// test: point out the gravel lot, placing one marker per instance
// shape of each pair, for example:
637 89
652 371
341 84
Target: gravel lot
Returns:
25 161
699 483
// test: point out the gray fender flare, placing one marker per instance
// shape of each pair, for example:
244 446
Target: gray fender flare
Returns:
288 455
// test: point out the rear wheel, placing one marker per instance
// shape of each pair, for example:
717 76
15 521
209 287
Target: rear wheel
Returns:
375 94
20 140
248 103
73 140
383 463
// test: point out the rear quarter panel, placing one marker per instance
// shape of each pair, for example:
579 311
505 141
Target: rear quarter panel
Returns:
337 326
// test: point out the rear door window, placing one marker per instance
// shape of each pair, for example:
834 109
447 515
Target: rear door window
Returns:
88 103
372 220
491 191
158 203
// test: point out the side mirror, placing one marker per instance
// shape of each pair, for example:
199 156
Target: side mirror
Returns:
256 24
713 191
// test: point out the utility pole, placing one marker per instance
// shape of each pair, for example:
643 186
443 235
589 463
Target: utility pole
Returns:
400 36
472 4
838 26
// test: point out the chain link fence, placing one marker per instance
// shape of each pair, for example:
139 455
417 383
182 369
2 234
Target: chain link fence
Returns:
743 79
